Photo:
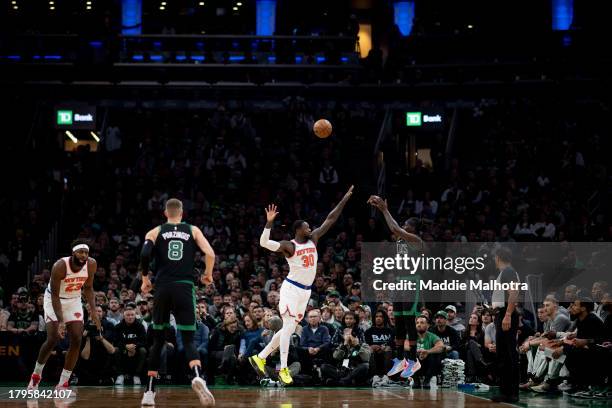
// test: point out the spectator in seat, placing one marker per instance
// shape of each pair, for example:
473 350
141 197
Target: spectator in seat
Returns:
349 321
131 341
429 351
471 347
22 321
454 321
328 320
356 370
205 318
114 313
380 338
447 334
97 355
315 342
223 349
582 354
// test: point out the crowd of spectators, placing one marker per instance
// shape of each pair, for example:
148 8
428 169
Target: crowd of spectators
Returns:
227 164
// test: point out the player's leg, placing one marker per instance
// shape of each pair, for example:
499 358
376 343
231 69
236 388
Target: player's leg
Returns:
259 361
53 337
295 309
162 304
74 331
185 315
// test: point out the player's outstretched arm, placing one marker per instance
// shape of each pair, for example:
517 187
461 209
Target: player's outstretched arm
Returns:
285 247
209 254
395 228
332 217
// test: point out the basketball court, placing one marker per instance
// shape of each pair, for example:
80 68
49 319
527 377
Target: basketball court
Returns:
97 397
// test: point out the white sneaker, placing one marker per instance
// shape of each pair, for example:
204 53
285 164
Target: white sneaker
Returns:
137 380
148 399
375 381
199 386
120 380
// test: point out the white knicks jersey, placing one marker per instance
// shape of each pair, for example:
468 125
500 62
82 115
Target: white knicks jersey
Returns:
303 263
70 287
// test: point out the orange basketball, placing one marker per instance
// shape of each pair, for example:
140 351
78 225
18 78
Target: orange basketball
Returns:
322 128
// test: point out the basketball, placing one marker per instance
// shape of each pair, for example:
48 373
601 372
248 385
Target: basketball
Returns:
322 128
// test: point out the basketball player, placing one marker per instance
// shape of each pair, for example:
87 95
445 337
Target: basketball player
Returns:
301 254
172 246
404 312
63 310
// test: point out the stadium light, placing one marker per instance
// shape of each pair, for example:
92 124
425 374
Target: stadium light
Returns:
163 3
13 2
235 8
162 8
88 7
52 8
239 4
201 3
93 134
71 136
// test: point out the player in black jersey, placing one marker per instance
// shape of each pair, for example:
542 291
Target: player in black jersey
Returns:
172 247
405 313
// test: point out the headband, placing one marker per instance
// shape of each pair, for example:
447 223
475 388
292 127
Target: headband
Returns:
80 246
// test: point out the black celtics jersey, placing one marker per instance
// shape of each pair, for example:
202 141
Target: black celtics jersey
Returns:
174 253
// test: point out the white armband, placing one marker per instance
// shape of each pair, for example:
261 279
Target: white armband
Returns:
266 242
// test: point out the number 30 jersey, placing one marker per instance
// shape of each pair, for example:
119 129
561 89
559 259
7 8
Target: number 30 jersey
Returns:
174 254
303 263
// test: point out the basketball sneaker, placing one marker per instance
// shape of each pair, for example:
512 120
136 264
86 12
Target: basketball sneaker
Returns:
199 386
34 381
259 364
69 394
398 366
148 399
285 376
411 368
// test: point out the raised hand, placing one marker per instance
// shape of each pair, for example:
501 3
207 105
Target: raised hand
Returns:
377 202
271 213
349 193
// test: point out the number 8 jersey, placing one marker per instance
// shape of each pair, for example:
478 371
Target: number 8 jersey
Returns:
174 254
303 263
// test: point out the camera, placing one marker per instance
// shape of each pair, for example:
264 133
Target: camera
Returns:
92 330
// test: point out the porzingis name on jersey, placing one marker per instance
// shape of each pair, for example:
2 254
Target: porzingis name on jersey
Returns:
176 234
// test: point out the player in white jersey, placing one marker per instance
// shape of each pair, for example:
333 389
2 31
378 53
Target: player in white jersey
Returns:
301 254
64 311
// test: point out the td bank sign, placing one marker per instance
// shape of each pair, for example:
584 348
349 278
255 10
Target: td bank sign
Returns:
81 118
419 119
